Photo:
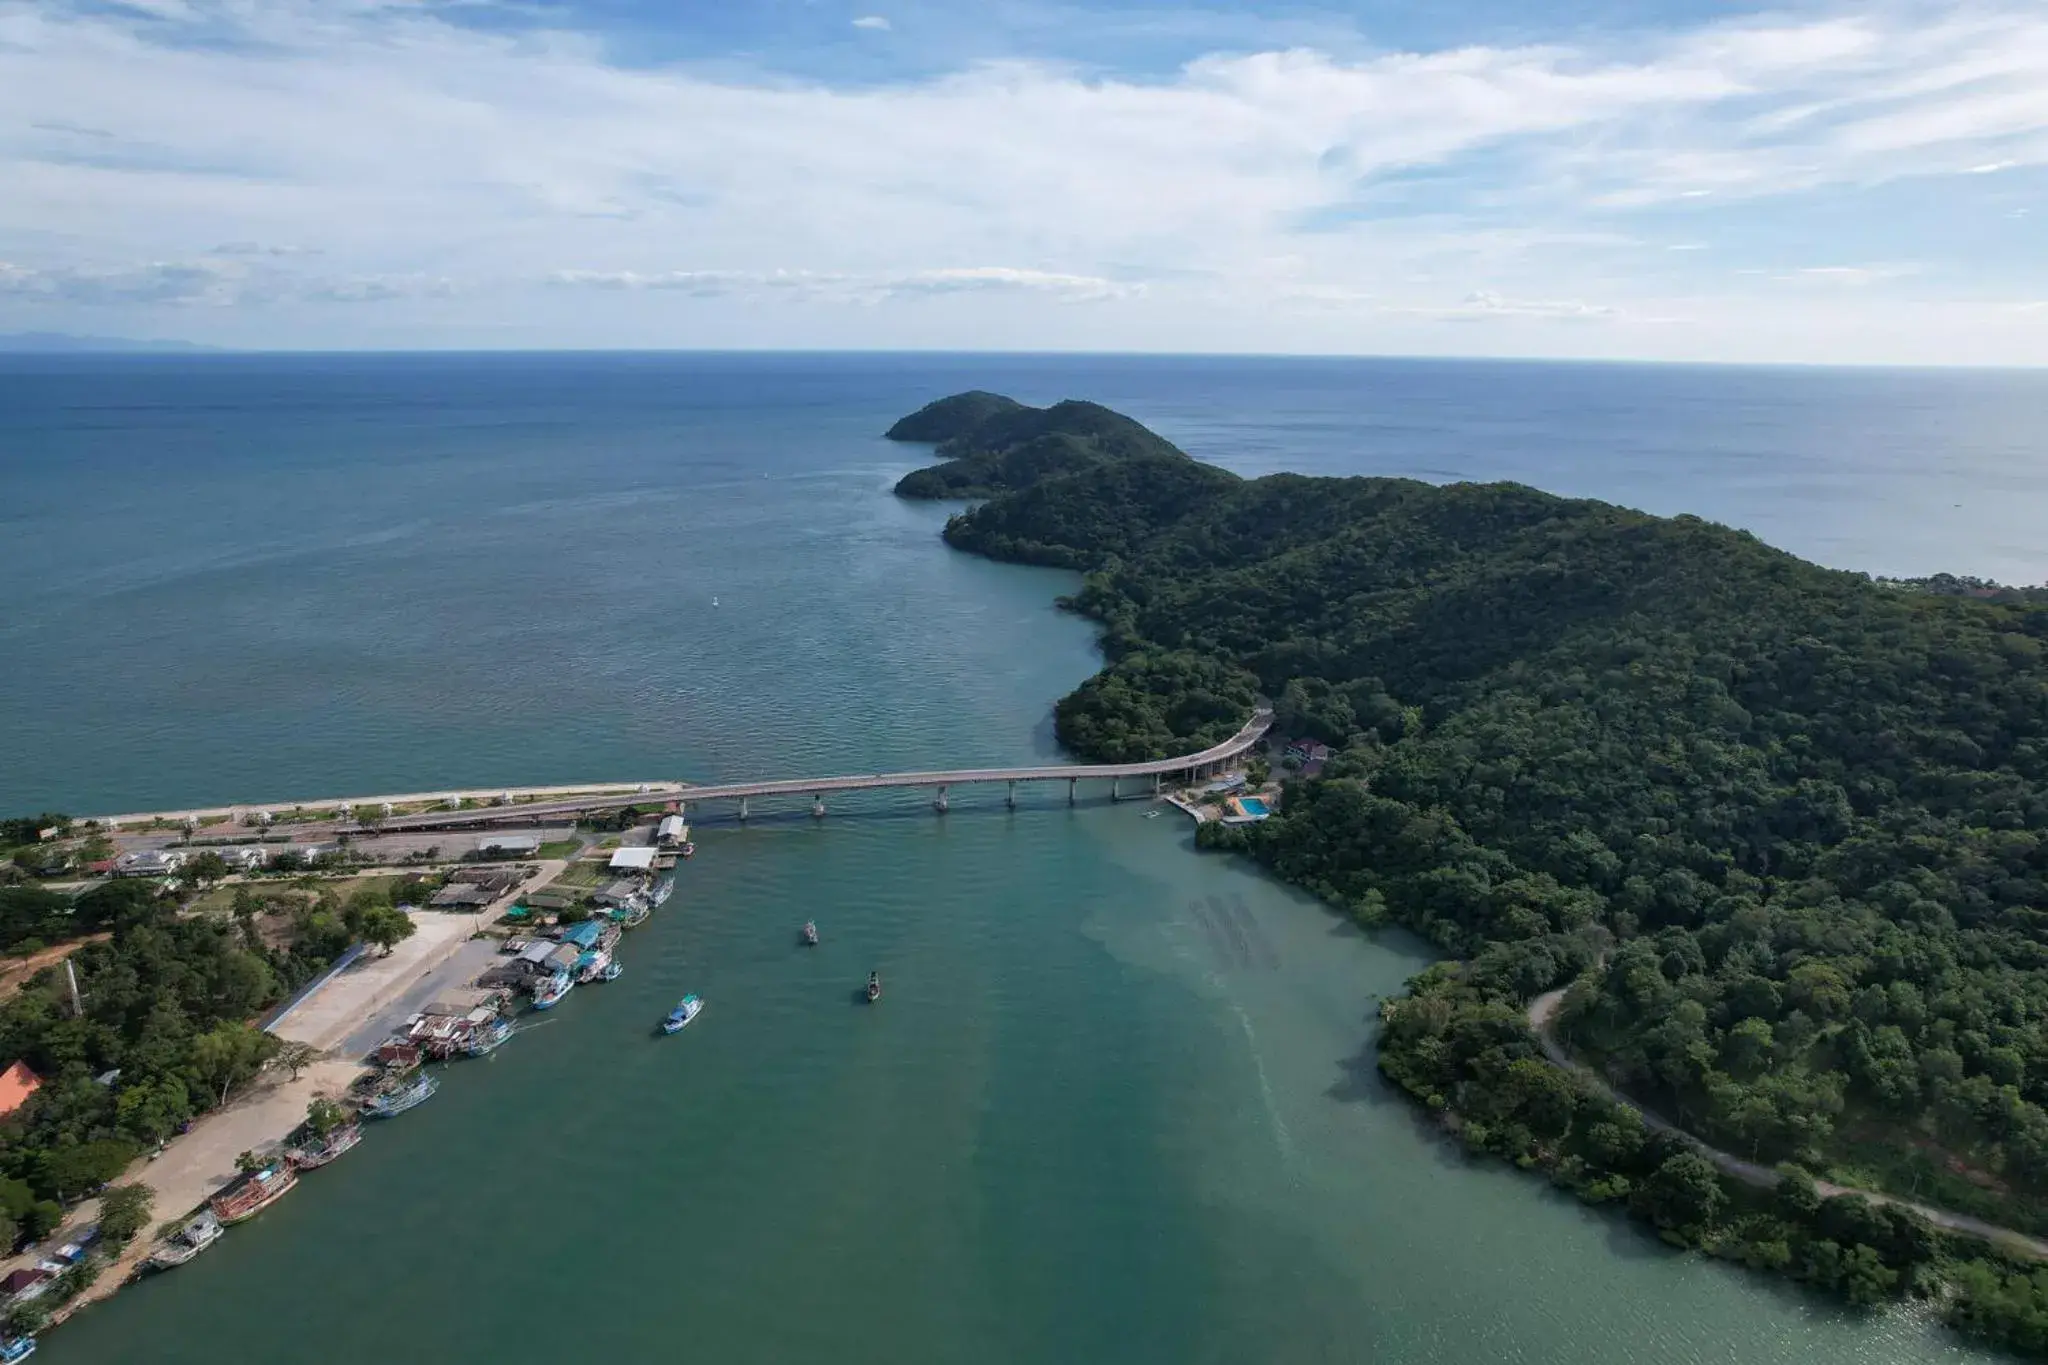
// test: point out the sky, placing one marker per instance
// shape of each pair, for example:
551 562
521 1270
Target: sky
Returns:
1645 179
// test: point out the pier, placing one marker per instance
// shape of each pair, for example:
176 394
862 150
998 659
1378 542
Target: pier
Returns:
549 805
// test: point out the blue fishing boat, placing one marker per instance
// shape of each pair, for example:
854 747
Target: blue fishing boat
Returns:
488 1037
389 1104
16 1348
688 1008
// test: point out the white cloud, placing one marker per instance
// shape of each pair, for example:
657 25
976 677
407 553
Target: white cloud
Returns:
404 158
855 288
872 21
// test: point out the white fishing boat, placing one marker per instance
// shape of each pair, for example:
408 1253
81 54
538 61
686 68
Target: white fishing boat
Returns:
663 889
187 1242
688 1008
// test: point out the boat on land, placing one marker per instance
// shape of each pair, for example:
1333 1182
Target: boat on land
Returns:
389 1104
874 987
16 1348
182 1245
318 1151
550 991
688 1008
665 888
254 1192
810 933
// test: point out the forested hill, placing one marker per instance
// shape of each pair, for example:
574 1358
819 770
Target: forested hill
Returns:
1786 826
991 444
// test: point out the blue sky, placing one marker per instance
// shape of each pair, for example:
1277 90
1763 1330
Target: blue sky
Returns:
1657 179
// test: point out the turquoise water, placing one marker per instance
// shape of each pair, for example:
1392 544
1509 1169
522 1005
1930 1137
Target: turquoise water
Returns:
1252 805
1118 1103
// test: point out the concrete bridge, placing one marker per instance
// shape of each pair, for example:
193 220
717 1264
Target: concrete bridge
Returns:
1191 767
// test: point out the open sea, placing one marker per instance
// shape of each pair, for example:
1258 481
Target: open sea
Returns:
1119 1104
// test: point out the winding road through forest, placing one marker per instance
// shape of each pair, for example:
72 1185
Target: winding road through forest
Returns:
1543 1010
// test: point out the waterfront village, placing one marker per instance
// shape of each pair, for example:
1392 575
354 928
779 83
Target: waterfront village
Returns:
464 932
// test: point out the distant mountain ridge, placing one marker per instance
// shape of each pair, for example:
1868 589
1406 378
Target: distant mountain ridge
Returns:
993 444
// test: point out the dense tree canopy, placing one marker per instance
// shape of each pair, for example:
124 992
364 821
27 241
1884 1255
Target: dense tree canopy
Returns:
1789 824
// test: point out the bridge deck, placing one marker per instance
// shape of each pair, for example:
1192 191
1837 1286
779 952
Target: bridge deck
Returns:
1230 748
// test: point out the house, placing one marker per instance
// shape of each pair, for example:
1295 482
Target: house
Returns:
246 858
508 846
17 1083
21 1286
550 900
584 935
672 832
1308 751
618 892
461 896
496 880
638 859
148 862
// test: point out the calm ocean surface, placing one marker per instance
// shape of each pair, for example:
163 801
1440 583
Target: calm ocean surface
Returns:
1119 1105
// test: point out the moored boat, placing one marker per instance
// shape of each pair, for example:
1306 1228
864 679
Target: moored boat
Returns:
488 1037
389 1104
254 1192
16 1348
613 970
665 888
549 992
182 1245
318 1151
688 1008
811 934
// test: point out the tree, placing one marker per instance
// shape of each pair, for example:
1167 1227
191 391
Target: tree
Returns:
124 1211
386 927
247 1161
323 1115
1684 1194
204 870
295 1056
229 1054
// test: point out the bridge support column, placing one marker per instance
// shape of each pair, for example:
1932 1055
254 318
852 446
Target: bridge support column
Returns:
940 804
1072 784
1158 782
817 807
1013 794
743 810
1114 795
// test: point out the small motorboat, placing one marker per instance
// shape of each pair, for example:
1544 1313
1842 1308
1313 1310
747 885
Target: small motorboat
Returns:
688 849
874 987
688 1008
810 934
613 970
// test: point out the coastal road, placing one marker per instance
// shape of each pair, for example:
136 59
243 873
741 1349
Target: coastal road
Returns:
1543 1010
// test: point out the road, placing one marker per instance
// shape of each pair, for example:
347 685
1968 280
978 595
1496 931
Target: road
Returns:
1543 1009
614 795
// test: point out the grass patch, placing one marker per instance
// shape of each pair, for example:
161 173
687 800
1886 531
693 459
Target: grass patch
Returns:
559 848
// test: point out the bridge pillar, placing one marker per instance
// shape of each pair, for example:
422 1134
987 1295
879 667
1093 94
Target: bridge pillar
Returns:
1013 794
1072 783
743 810
1113 793
817 807
1158 781
940 804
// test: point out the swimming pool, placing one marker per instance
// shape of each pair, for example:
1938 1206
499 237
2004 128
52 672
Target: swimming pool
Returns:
1251 805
